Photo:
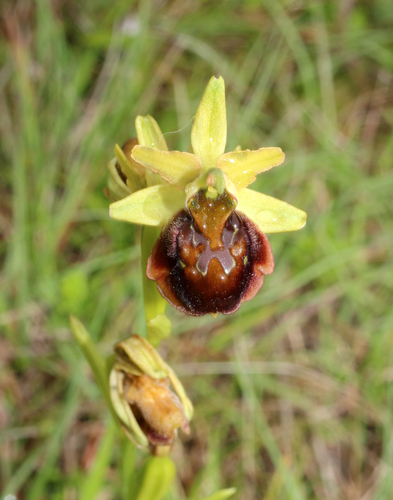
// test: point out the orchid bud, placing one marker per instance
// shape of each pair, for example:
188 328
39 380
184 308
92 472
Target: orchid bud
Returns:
147 396
125 174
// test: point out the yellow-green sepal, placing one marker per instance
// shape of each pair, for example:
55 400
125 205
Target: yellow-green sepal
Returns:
116 187
209 132
149 133
179 389
136 356
243 166
123 410
175 167
152 206
270 214
132 171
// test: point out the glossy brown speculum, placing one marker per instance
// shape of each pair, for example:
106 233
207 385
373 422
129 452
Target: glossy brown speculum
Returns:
210 258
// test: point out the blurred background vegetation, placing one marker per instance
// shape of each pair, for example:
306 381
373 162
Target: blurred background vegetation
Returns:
293 393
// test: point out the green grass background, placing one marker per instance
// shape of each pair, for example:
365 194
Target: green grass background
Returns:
293 393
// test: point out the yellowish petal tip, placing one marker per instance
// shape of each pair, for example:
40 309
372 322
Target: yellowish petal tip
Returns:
305 220
216 80
112 210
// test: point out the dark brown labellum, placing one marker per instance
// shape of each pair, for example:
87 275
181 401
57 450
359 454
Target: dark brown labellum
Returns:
210 258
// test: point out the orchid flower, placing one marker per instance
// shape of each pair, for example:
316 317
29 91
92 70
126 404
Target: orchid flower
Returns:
212 252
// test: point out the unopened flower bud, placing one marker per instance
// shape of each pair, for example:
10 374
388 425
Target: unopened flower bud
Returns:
125 174
140 386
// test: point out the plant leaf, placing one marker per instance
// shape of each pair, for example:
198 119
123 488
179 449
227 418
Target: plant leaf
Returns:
93 357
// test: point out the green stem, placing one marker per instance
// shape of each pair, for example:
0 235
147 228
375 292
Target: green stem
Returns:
154 303
127 468
158 325
92 485
157 475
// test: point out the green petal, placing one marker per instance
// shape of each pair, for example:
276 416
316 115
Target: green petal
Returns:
136 354
209 132
134 179
123 410
117 188
270 214
149 133
152 206
176 167
128 165
179 389
243 166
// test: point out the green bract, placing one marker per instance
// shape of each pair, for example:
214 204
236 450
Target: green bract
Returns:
166 193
